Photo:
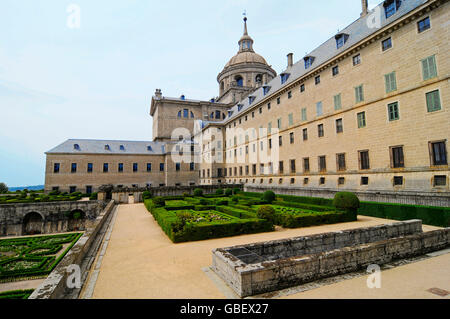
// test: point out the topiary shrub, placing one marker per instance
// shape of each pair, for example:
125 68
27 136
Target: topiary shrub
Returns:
235 199
146 195
219 191
198 192
346 201
269 196
93 196
236 190
203 201
267 213
228 192
159 201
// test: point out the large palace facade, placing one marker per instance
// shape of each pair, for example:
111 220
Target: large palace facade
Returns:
365 111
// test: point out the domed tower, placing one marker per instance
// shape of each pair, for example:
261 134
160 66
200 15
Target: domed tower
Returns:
244 73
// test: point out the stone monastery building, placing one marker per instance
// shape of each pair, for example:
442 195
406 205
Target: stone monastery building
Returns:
367 111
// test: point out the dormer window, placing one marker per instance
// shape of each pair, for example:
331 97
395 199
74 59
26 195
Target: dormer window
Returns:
391 7
251 99
341 39
266 89
240 106
284 77
107 148
149 148
76 146
122 148
309 60
230 113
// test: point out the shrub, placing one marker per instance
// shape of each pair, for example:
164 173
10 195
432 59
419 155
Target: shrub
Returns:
198 192
346 201
185 194
267 213
269 196
3 188
93 196
159 201
219 191
236 190
146 195
228 192
235 199
203 201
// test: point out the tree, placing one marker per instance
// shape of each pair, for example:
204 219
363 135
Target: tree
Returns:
3 188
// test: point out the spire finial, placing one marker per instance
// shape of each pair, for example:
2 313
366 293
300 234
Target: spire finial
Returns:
245 22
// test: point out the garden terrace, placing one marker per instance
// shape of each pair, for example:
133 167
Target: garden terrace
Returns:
33 256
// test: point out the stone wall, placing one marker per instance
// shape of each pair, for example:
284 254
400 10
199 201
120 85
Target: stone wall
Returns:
50 217
399 197
54 287
286 263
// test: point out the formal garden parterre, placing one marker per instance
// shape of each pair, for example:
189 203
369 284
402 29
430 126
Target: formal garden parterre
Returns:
32 257
232 212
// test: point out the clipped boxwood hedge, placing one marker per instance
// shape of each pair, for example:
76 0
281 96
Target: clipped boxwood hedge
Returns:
16 294
315 219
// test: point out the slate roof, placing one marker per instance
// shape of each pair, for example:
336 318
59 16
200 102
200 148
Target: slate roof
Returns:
357 31
98 147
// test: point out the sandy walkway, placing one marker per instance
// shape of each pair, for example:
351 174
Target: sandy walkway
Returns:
141 262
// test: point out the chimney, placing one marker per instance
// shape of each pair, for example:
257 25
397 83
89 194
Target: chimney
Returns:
290 58
365 8
158 94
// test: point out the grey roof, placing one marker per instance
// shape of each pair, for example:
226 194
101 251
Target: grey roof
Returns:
357 31
98 147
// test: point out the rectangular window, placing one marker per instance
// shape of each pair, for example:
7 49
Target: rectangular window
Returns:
247 170
423 24
429 69
305 181
364 160
254 169
391 7
364 180
397 159
281 167
268 106
361 119
439 180
359 94
322 164
289 94
337 102
293 170
88 189
322 181
280 140
73 168
261 169
302 88
398 180
56 167
433 101
135 167
279 123
291 137
105 167
178 167
438 153
339 126
291 119
278 100
90 167
120 167
306 165
161 167
340 158
317 79
319 108
304 114
386 44
305 134
149 167
72 189
335 70
393 112
357 59
341 180
270 143
390 82
320 130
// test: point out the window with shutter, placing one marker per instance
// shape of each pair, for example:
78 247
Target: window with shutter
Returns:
429 69
433 101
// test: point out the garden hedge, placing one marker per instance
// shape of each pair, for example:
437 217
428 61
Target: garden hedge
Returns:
16 294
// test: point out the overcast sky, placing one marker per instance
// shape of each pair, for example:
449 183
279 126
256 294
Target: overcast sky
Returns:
58 81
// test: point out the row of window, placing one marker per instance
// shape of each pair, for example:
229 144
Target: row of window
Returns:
397 181
120 167
437 151
89 188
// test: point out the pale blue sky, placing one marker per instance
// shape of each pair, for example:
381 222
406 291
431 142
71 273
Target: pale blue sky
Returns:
97 81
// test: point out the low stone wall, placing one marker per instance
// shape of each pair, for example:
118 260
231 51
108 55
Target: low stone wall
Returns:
400 197
55 287
264 267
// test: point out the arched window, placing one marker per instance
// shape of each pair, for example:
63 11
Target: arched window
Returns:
258 78
179 114
222 86
239 80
